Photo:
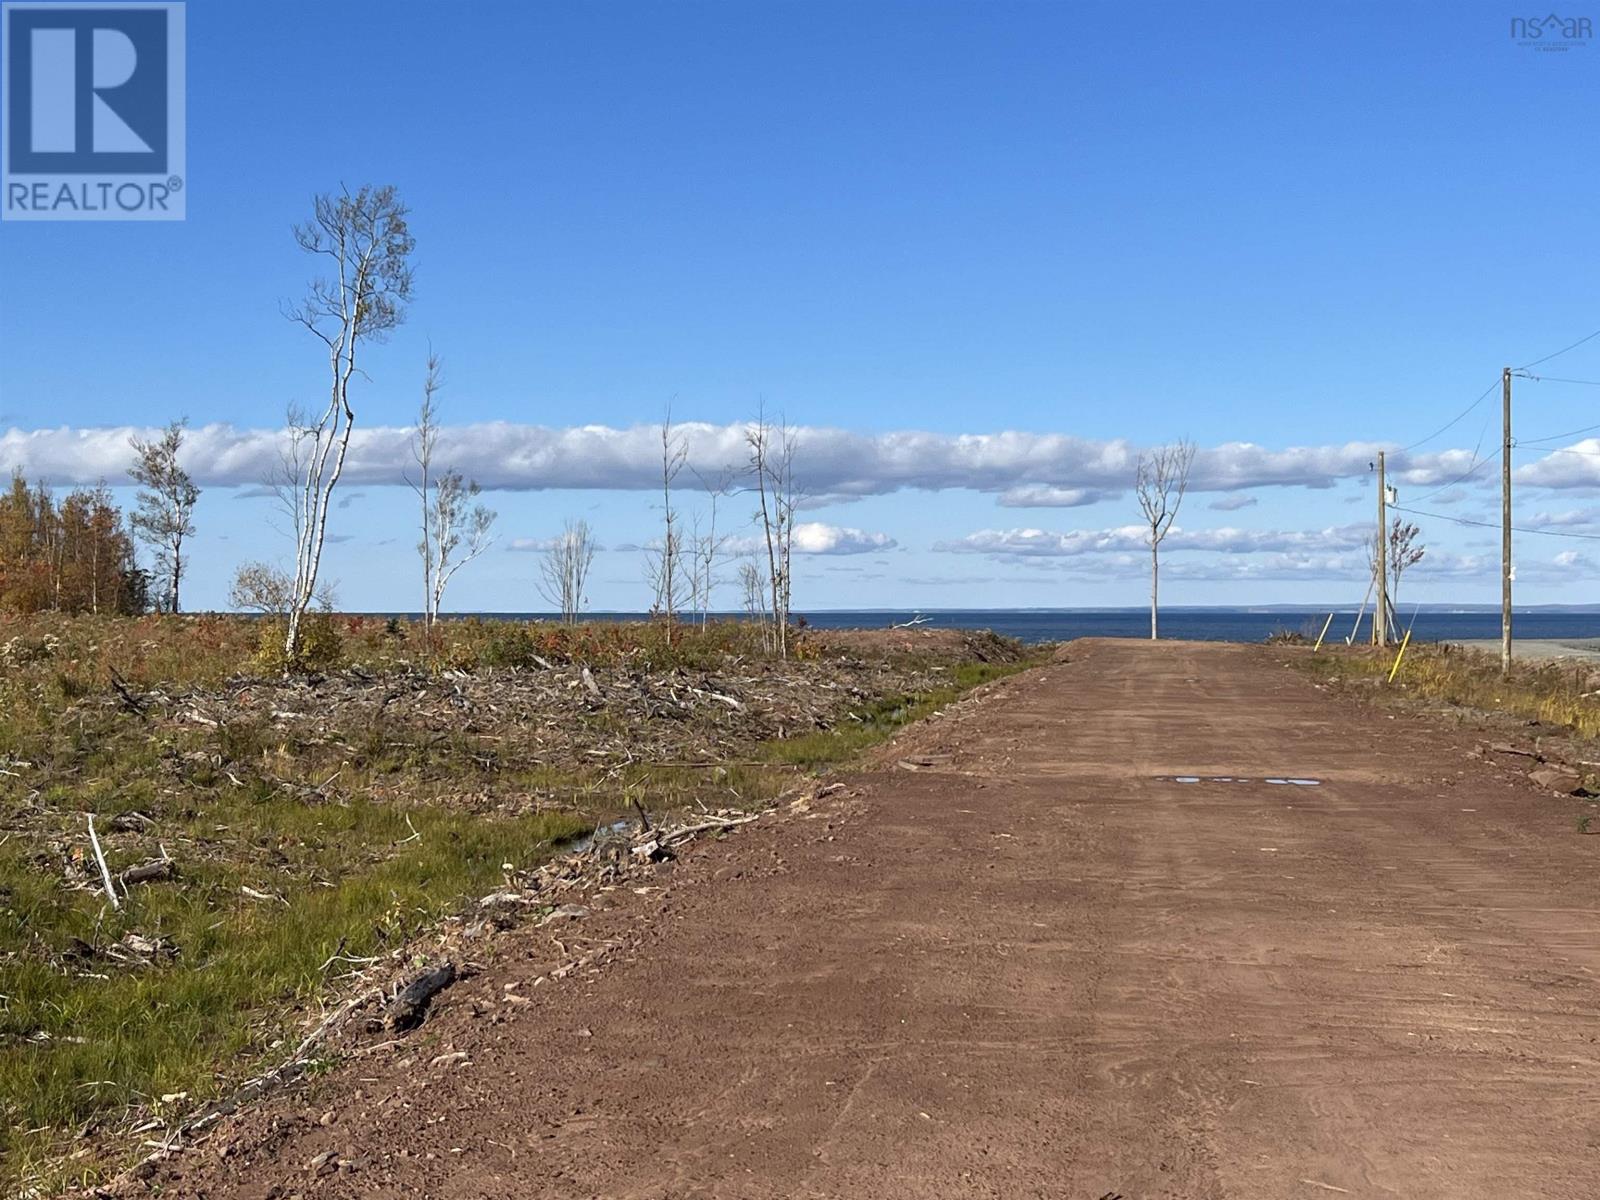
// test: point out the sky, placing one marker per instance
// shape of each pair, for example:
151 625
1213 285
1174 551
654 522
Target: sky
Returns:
979 254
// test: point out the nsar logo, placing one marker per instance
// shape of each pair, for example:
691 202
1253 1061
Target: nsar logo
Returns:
1552 31
92 112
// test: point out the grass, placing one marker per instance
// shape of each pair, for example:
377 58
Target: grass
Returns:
366 832
1552 693
83 1035
880 720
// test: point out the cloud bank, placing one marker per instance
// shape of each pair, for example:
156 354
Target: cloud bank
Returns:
810 537
1025 470
1040 543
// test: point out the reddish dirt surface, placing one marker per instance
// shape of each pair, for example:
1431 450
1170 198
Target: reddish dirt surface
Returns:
1041 968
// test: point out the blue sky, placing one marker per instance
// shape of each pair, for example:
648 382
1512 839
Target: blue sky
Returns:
1320 228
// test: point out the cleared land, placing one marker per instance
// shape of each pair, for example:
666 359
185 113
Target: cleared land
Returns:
1068 939
280 845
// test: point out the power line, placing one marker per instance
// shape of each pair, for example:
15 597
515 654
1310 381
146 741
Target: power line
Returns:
1556 437
1560 352
1555 450
1488 390
1557 379
1477 465
1588 537
1453 420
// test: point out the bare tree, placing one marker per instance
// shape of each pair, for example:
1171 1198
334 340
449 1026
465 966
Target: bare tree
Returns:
706 548
1403 551
286 479
422 445
1397 551
754 590
459 528
564 569
772 449
368 244
455 529
164 516
265 588
664 564
1161 479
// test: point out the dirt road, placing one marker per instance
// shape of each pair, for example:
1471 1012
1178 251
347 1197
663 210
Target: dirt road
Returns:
1044 968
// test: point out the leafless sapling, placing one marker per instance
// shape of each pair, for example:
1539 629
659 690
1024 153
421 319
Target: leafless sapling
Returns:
706 548
772 451
664 562
564 568
753 589
455 527
1161 479
1398 551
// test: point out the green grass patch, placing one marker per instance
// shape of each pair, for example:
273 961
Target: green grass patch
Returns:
83 1035
878 721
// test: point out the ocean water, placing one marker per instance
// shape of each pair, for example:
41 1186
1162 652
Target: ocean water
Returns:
1197 624
1228 625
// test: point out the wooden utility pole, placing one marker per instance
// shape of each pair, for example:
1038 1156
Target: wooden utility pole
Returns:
1380 618
1505 523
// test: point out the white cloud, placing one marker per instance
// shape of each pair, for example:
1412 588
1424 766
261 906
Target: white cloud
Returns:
1125 538
1572 516
1562 567
1289 565
528 545
813 537
810 537
1574 466
1233 503
1351 565
1044 495
1026 469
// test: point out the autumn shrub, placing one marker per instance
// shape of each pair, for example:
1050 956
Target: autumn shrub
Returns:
321 646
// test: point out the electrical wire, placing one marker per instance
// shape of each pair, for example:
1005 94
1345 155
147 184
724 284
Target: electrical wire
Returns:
1558 379
1555 450
1448 424
1556 437
1477 465
1560 352
1588 537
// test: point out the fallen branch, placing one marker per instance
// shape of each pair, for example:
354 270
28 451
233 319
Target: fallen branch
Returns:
684 832
156 868
411 1004
128 698
105 871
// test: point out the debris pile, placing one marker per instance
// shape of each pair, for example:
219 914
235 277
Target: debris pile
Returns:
563 715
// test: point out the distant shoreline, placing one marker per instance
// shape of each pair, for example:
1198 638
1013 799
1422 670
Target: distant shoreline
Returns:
1540 649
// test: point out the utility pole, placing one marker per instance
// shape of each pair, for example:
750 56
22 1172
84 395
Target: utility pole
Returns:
1380 550
1505 523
